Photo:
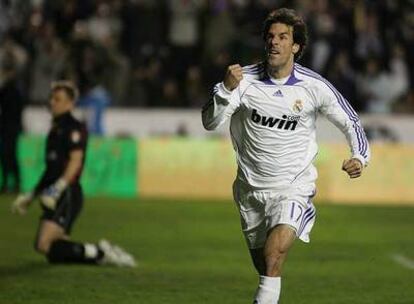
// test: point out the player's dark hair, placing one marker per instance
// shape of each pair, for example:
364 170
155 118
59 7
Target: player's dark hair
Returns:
68 87
290 18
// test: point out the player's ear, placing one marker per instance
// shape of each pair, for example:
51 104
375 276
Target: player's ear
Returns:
295 48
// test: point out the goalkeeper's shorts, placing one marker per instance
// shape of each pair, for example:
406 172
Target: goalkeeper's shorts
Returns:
67 209
263 209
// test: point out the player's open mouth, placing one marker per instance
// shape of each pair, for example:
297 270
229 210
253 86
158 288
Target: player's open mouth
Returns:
274 52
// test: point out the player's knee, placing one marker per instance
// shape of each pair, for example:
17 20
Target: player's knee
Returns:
42 246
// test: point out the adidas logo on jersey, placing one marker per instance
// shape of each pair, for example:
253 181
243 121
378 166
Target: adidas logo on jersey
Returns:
285 123
278 93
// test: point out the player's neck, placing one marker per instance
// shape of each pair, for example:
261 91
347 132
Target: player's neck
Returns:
279 72
62 114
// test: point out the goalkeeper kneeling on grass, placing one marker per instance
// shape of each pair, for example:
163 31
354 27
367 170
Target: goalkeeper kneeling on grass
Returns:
60 192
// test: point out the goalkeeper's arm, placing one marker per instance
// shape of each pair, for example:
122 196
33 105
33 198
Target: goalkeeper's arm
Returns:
51 194
24 200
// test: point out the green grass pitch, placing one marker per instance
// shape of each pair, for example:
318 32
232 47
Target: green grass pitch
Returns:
193 252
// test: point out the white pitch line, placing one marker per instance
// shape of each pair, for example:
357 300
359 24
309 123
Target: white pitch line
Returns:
403 261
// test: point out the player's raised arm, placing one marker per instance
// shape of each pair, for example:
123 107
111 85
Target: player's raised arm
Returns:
337 109
225 99
234 75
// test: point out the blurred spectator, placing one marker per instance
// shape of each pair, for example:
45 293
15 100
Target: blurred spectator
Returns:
220 29
184 35
195 91
95 101
324 27
381 88
4 19
104 25
48 63
153 82
170 52
137 93
171 94
11 103
144 29
65 13
13 54
368 41
215 68
342 76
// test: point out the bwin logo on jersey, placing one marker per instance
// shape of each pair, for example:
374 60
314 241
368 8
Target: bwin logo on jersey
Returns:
286 122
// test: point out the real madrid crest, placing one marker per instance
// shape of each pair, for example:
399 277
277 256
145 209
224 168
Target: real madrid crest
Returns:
297 106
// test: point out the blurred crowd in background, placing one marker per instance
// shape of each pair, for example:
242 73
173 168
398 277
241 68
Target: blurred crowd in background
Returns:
169 53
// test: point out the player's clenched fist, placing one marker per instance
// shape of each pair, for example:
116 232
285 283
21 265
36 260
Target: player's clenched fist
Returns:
353 167
234 75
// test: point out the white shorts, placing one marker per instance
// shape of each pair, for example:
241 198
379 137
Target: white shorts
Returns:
262 209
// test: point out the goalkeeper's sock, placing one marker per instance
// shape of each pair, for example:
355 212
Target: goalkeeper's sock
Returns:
65 252
268 291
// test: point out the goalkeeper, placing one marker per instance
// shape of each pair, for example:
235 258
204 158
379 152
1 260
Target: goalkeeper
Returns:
60 192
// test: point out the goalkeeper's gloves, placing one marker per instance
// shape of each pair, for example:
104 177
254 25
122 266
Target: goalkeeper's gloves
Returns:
22 203
51 194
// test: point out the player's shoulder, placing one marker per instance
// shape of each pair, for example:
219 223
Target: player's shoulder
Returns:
76 130
73 121
254 71
311 79
75 124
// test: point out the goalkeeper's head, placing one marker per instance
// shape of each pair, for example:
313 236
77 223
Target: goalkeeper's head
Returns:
63 96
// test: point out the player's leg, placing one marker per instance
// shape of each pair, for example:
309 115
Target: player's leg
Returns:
278 243
47 233
54 243
270 261
258 260
289 218
269 264
53 235
268 241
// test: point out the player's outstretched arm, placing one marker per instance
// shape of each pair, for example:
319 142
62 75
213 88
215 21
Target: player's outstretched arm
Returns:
353 167
337 109
225 99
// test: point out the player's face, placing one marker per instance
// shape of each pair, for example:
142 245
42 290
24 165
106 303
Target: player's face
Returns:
60 102
280 47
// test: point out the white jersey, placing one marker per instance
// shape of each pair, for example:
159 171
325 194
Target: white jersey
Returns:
273 124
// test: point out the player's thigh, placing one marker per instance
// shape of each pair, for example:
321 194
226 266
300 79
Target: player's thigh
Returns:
67 209
295 211
74 204
48 232
252 215
280 239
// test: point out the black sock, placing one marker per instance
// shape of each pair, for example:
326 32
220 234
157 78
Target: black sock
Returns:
64 252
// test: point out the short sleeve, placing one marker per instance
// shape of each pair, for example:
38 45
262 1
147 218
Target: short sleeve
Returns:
77 138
